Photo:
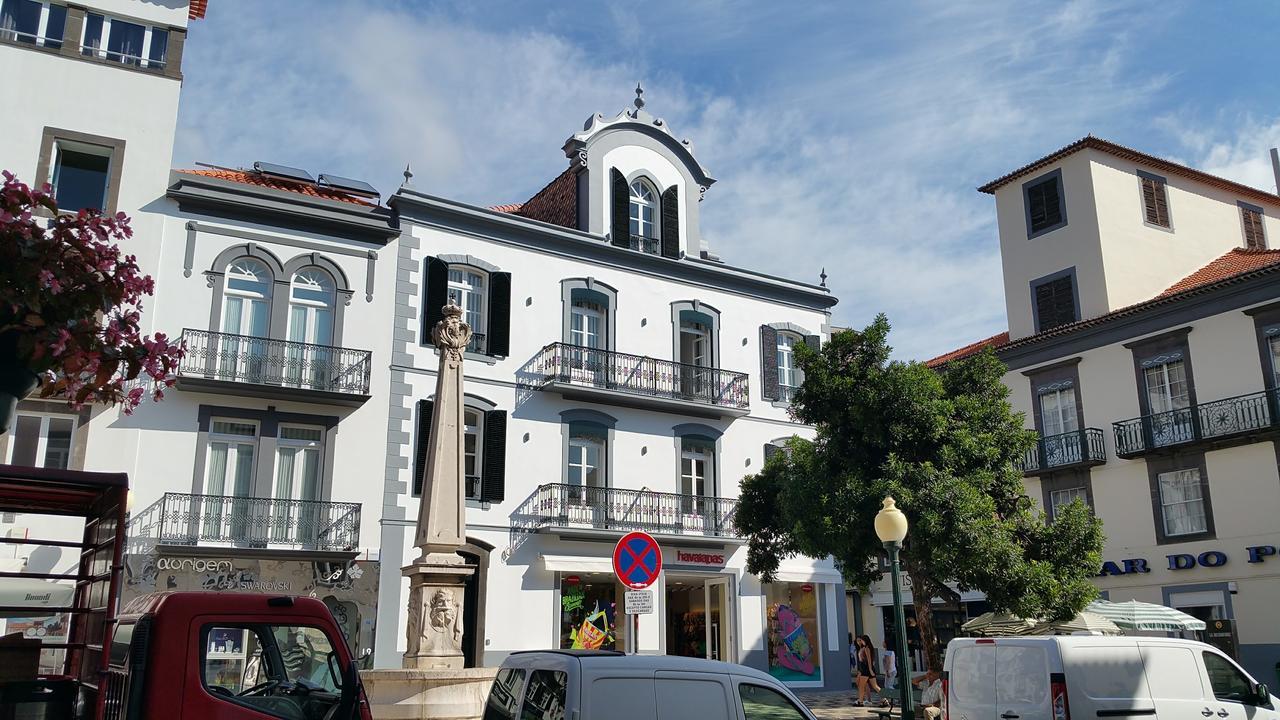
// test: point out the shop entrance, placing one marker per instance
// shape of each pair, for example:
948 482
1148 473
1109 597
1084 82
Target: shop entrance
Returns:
699 617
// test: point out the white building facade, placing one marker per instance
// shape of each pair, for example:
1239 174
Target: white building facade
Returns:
622 378
1120 270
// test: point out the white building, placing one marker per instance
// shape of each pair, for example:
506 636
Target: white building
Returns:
622 377
1119 269
253 473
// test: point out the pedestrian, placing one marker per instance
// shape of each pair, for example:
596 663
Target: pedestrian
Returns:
859 678
870 668
889 659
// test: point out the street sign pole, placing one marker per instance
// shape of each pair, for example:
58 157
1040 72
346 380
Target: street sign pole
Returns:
637 562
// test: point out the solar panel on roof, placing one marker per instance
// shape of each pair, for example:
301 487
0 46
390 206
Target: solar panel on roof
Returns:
284 171
358 187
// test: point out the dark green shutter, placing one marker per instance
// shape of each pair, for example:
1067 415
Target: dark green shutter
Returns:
814 342
770 450
671 222
499 336
768 363
421 443
493 484
435 275
1055 303
621 226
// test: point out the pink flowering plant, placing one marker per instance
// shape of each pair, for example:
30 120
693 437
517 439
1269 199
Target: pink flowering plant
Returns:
70 304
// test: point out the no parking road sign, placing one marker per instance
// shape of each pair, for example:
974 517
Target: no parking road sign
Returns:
637 560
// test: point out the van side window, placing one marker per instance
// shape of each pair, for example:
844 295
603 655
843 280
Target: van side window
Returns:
1227 682
545 698
762 703
505 694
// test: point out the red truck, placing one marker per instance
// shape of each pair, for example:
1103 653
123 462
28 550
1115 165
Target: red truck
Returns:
163 655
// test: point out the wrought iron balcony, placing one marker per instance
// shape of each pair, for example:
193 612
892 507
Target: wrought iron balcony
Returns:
570 507
184 519
650 245
595 374
1079 448
276 368
1231 419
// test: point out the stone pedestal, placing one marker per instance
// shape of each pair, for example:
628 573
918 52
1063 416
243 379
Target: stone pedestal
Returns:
434 628
423 694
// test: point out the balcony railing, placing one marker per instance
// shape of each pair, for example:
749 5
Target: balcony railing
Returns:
638 375
650 245
183 519
1211 421
477 343
558 505
1054 452
268 361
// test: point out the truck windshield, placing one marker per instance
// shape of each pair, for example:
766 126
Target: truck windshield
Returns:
255 659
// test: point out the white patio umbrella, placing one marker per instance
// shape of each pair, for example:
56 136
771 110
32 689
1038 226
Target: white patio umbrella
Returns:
1084 621
1134 615
992 624
32 593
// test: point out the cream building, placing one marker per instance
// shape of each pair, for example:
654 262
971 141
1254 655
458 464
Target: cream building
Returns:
1144 348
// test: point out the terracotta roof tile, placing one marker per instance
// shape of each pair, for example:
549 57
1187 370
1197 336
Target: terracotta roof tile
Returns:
197 9
1233 263
1090 142
508 208
249 177
994 341
557 203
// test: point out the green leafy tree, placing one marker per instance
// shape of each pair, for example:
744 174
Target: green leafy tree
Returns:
943 445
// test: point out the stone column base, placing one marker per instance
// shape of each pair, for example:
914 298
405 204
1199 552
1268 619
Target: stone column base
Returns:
434 627
422 694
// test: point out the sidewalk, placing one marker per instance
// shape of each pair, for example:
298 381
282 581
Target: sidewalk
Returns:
835 706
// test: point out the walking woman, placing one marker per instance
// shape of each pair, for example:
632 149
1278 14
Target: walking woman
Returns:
867 668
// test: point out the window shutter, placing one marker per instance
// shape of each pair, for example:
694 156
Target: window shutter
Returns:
1253 237
499 337
671 222
620 228
768 363
814 342
1055 303
769 451
435 273
1155 202
493 484
422 440
1044 205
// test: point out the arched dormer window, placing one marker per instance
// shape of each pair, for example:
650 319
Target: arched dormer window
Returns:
644 216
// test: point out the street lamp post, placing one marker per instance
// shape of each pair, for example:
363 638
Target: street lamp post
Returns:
891 528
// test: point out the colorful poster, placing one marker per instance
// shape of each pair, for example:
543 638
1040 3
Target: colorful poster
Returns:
794 655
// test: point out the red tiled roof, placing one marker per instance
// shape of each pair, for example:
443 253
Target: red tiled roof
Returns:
1233 263
1090 142
249 177
995 341
508 208
196 10
557 203
1231 267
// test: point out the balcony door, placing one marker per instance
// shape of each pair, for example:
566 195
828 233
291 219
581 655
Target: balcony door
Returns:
1169 400
310 357
1061 439
585 496
246 322
295 517
228 484
697 483
587 359
466 289
695 359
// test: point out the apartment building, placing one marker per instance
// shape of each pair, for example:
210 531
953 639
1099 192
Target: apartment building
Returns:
1143 346
621 377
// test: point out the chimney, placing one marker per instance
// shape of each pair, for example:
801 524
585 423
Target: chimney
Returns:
1275 167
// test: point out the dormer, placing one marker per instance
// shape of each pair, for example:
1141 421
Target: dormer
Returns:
637 184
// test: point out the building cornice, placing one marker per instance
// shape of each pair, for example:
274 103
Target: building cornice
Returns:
527 233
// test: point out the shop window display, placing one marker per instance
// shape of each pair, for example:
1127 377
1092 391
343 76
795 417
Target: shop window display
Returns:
794 653
588 614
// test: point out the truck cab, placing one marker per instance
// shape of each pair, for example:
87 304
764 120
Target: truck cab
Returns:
166 660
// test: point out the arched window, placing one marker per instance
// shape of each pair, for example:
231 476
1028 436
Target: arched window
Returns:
467 289
311 300
644 213
246 304
789 376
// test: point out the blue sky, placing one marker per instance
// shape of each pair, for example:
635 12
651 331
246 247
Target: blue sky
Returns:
844 135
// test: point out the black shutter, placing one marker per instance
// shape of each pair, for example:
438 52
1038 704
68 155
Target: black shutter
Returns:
770 450
1055 303
421 442
768 363
621 226
814 342
499 337
671 222
493 485
435 274
1044 204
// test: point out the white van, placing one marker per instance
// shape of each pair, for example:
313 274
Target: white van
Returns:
608 685
1083 676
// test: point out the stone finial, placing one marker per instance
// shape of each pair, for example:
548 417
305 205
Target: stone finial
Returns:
639 101
451 335
408 175
823 277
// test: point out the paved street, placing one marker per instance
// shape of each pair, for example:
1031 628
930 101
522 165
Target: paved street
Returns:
835 705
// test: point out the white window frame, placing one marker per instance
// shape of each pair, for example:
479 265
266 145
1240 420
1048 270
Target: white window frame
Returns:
298 480
790 377
1165 388
101 52
42 25
695 451
587 311
1065 496
84 148
637 204
232 440
1199 485
1064 413
583 442
267 280
42 440
463 293
478 431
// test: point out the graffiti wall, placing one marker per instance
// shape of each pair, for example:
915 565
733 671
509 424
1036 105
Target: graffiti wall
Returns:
349 588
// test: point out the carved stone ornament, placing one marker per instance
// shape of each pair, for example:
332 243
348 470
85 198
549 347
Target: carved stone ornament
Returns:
439 633
451 335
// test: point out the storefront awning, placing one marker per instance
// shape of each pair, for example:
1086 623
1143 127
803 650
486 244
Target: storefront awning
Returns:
886 597
810 575
577 563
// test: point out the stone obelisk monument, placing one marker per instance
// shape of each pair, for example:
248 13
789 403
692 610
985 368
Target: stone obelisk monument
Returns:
436 577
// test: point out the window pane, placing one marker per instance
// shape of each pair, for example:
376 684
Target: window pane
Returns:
504 695
244 470
231 427
159 47
545 698
762 703
56 26
57 448
1227 682
125 42
25 440
305 652
216 482
92 33
1274 343
20 20
308 434
80 180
